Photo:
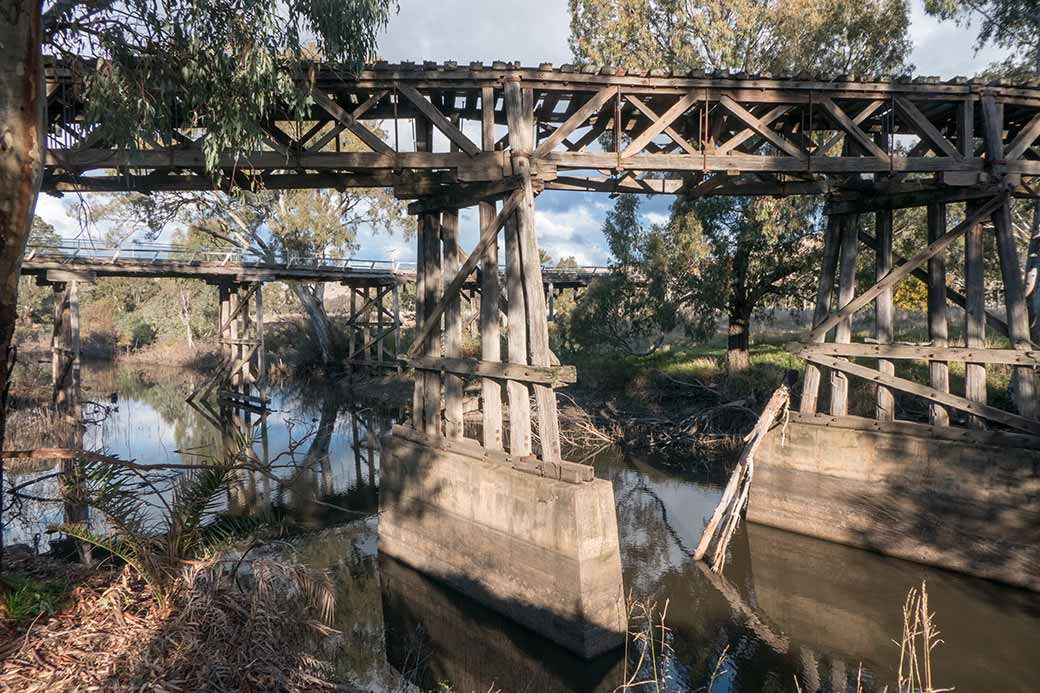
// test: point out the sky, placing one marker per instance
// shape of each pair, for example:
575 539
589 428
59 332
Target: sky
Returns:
536 31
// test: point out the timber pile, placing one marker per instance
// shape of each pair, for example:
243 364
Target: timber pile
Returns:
734 499
212 635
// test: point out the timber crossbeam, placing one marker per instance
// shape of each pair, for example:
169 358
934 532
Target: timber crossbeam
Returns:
677 132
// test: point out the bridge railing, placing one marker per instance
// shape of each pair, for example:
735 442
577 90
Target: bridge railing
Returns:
82 250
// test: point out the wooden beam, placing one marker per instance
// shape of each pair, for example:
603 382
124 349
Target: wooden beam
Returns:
975 318
1023 380
520 118
486 234
746 134
654 117
884 311
350 122
453 395
465 196
824 289
588 109
925 129
1024 139
762 130
438 119
903 271
931 394
662 123
490 295
952 294
846 292
852 129
938 323
913 352
553 376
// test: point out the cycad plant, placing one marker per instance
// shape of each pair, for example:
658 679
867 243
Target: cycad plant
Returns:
155 531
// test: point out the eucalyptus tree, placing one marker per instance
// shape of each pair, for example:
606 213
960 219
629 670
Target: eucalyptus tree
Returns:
226 63
742 243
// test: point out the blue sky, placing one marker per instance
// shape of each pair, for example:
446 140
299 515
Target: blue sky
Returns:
536 31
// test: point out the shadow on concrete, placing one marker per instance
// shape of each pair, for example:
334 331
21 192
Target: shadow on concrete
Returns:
435 634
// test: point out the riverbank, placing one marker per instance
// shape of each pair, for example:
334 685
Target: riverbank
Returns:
226 622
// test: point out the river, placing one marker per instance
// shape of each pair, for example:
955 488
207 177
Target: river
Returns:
789 607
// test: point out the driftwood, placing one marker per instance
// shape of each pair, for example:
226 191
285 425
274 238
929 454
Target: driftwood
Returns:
734 499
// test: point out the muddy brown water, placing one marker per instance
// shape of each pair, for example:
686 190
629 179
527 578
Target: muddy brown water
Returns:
790 608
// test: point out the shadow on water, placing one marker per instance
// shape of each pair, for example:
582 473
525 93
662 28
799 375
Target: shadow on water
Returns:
789 606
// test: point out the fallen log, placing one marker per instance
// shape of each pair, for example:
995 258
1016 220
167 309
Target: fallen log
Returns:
734 499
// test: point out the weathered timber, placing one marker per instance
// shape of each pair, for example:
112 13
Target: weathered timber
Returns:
918 353
553 376
824 289
905 269
975 317
847 227
884 311
932 395
938 324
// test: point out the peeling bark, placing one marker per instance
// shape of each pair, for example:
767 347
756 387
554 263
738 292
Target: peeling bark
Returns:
21 164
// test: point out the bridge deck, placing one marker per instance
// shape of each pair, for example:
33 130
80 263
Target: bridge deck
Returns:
150 261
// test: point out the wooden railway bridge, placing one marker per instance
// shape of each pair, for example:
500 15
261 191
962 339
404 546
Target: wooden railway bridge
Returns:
239 275
450 136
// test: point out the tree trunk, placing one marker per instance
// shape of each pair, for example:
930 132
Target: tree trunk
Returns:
318 320
186 317
738 355
22 145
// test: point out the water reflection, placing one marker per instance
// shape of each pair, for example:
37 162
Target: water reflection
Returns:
789 607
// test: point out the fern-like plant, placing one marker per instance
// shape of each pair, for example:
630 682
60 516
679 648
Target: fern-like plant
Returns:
155 533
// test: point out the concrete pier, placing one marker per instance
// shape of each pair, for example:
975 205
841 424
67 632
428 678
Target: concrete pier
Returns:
541 551
957 504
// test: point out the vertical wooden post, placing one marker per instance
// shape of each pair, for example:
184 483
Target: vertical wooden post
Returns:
245 337
352 328
519 402
938 321
550 295
453 424
233 345
365 317
884 311
380 322
520 117
849 226
59 347
490 339
824 290
1023 380
434 287
419 386
396 301
261 351
974 315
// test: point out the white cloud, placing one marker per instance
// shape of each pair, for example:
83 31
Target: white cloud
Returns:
657 218
573 232
945 48
57 213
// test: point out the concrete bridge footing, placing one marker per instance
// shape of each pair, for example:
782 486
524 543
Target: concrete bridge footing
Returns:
543 552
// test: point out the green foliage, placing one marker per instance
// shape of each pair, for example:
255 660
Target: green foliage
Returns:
911 294
220 63
726 255
26 597
154 548
830 36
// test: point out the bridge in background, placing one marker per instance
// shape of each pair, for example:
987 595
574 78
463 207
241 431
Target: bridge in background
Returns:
373 325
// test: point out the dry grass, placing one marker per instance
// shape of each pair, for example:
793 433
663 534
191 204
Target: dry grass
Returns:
224 629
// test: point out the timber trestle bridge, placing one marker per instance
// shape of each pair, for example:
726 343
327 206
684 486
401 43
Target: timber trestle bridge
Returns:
450 136
373 324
